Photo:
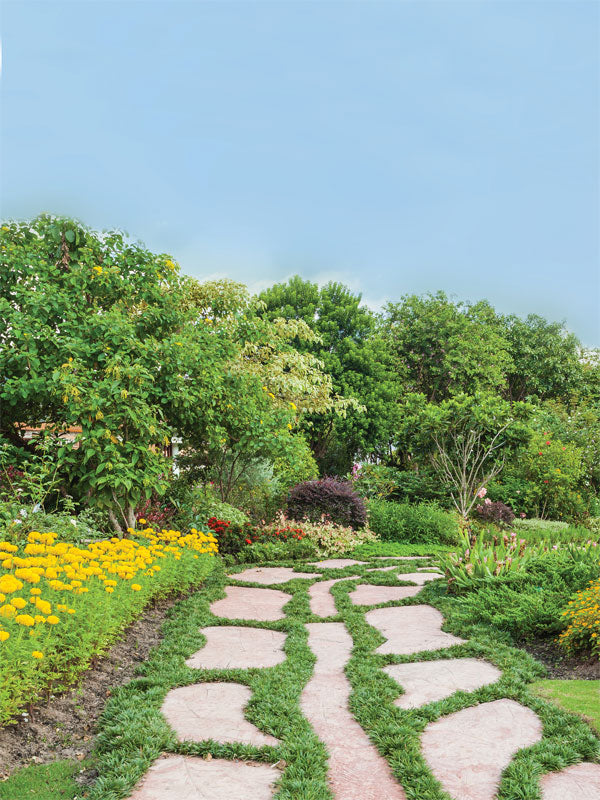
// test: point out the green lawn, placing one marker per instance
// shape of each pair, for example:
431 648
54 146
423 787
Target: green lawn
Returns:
581 697
44 782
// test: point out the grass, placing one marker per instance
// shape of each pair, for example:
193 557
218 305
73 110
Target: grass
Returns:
398 549
44 782
579 696
133 733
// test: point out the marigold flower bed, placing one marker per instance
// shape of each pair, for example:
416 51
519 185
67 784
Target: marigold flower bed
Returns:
583 617
61 604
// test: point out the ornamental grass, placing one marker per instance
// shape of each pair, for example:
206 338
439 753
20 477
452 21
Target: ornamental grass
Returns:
61 604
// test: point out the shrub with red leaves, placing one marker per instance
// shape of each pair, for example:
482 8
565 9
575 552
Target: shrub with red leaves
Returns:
497 512
158 514
327 497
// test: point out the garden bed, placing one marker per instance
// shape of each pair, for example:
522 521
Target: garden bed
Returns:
558 663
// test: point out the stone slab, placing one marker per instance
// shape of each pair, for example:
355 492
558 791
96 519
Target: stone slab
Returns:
402 558
232 647
270 575
395 567
368 595
337 563
410 629
579 782
245 602
356 770
321 600
468 751
191 778
213 711
428 681
420 578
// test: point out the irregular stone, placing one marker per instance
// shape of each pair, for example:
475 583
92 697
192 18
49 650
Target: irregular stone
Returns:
213 711
191 778
368 595
427 681
420 578
430 569
244 602
232 647
403 558
395 567
337 563
468 750
270 575
579 782
321 600
356 770
410 629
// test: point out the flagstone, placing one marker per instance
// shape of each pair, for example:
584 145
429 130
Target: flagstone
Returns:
244 602
420 578
337 563
395 567
232 647
467 751
213 711
356 770
579 782
369 595
427 681
410 629
190 778
321 600
403 558
269 575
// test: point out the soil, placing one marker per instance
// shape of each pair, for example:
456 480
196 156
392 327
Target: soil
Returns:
560 665
65 726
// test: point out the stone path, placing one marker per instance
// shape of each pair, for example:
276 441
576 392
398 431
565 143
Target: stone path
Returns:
466 751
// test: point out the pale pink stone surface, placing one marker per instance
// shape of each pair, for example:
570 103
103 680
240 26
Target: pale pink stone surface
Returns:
231 647
269 575
321 600
245 602
410 629
337 563
427 681
356 770
368 595
402 558
213 711
468 751
579 782
385 569
190 778
420 578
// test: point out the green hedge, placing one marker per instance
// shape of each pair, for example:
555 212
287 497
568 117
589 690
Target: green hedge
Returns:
407 522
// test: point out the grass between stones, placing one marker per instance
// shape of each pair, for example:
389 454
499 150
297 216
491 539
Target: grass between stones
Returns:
133 732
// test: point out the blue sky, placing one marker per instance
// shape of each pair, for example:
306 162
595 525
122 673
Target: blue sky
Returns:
398 147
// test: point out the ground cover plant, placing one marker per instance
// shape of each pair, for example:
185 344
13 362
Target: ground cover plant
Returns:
62 603
579 696
412 523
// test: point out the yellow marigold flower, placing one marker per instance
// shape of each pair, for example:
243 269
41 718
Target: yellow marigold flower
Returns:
108 589
70 611
2 597
18 602
110 583
8 611
136 587
37 654
43 606
35 590
52 620
25 619
9 584
4 635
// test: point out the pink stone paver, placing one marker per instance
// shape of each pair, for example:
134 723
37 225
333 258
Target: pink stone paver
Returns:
467 751
232 647
244 602
190 778
369 595
321 600
579 782
337 563
213 711
410 629
269 575
427 681
420 578
403 558
385 569
356 770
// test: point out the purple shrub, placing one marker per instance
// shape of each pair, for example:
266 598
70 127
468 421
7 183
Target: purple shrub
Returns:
497 512
337 500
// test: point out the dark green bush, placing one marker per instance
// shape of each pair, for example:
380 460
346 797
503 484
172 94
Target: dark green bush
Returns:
405 522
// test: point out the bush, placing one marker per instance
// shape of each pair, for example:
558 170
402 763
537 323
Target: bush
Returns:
292 550
233 538
583 621
327 497
373 480
333 540
404 522
497 512
196 504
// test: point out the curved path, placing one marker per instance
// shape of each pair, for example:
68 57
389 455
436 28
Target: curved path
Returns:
466 751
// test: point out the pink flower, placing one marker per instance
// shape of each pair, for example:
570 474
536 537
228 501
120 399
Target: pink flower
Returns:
482 492
522 515
487 501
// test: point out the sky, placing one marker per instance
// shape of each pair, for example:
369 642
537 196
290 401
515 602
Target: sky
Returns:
399 147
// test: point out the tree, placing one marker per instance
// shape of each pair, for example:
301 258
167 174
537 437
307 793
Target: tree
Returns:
466 439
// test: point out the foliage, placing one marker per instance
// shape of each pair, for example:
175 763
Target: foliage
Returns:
235 539
331 539
578 696
336 500
417 486
263 551
64 603
197 502
391 549
295 467
496 512
583 621
407 522
55 781
373 480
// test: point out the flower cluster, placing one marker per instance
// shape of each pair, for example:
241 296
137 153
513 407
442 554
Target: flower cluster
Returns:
583 617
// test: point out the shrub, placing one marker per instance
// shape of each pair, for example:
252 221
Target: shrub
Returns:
261 551
583 621
404 522
331 539
233 538
497 512
197 503
373 480
156 512
327 497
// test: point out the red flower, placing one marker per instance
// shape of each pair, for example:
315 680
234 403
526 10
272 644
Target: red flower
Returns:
545 481
547 442
248 541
